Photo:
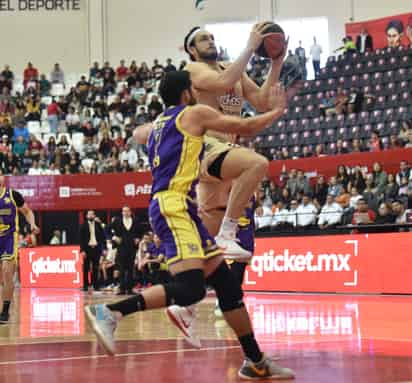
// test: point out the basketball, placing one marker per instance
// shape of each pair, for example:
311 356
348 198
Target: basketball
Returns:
272 46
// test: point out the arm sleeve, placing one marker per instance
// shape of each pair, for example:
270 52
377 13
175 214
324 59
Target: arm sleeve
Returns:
18 198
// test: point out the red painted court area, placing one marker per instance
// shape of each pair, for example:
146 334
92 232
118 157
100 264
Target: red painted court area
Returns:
324 338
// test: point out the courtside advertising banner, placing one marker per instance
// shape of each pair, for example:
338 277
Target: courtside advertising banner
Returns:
360 263
53 266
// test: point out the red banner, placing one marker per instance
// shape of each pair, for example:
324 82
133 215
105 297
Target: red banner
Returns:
378 29
80 192
53 266
371 263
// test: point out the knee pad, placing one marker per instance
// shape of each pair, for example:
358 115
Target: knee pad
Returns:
228 289
186 289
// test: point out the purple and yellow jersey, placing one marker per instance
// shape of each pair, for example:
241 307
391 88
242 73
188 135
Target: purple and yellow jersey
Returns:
174 155
9 217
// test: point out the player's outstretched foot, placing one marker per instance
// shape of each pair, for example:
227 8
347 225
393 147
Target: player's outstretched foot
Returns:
4 318
103 323
265 369
184 318
232 250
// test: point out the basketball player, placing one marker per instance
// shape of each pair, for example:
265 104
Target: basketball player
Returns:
228 169
11 203
230 174
175 153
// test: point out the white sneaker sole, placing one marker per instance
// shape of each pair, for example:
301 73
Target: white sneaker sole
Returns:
183 329
91 319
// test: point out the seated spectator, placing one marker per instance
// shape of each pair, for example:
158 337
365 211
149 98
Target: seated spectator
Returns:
44 86
275 192
327 104
320 151
10 163
409 142
286 196
334 188
375 143
341 102
404 131
391 188
157 69
20 147
402 215
363 215
26 162
63 144
293 213
306 213
403 187
30 73
291 182
343 199
394 142
281 216
5 145
32 109
342 176
35 146
106 144
121 71
355 197
20 130
404 171
89 148
385 214
306 153
331 214
380 179
263 217
356 146
73 121
321 190
8 74
355 101
128 154
369 194
51 147
155 105
357 180
57 75
89 131
339 149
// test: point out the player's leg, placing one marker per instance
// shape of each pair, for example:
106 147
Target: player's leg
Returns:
229 293
171 221
8 254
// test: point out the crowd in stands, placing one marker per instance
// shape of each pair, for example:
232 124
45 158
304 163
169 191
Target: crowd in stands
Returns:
355 196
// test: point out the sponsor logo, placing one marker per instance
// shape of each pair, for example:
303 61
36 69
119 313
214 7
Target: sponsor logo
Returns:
64 192
132 190
26 192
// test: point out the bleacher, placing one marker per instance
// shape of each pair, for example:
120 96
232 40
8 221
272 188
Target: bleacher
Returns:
384 73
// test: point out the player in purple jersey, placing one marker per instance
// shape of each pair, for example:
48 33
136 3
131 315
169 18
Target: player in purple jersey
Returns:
11 203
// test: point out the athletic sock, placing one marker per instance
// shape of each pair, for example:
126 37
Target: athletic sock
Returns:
251 348
130 305
6 307
228 228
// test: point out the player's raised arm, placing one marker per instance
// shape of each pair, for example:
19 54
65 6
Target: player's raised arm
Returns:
201 45
201 118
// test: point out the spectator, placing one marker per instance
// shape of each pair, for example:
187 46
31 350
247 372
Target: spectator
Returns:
32 109
409 143
343 199
157 69
275 192
155 105
380 179
321 191
35 146
375 143
89 131
52 170
108 72
130 155
339 149
327 104
63 144
20 146
385 214
341 102
319 151
72 121
94 70
355 197
342 176
57 75
306 213
169 67
286 197
281 216
263 217
363 215
8 74
315 52
391 188
56 238
301 54
394 142
306 152
44 86
357 180
331 214
403 188
334 189
364 41
402 215
293 213
122 71
404 131
5 145
356 146
355 100
53 112
404 171
369 194
51 147
30 73
89 148
182 65
106 144
21 130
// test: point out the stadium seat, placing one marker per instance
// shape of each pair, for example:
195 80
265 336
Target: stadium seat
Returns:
34 128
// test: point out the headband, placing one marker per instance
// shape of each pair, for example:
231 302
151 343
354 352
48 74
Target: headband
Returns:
191 37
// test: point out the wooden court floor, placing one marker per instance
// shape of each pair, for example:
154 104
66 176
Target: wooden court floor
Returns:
324 338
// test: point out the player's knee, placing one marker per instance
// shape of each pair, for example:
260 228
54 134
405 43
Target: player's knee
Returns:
228 290
261 164
187 288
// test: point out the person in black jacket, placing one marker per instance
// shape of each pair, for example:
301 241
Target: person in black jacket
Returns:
92 245
126 236
364 41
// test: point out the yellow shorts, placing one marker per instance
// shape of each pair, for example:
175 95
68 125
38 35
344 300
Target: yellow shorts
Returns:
175 220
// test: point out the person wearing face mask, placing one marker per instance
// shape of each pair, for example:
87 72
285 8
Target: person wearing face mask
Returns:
92 246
